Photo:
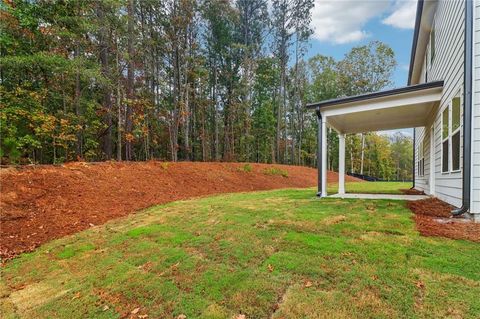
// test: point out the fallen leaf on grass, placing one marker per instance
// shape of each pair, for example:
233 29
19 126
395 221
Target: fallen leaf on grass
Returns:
105 308
307 284
134 311
181 316
143 316
420 284
270 268
240 316
146 266
76 296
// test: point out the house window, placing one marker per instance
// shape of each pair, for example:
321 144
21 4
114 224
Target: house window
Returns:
421 160
451 136
445 143
456 134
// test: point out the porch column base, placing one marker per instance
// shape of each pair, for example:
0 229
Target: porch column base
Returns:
324 157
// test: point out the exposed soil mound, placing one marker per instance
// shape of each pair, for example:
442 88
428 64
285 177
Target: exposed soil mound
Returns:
40 203
433 218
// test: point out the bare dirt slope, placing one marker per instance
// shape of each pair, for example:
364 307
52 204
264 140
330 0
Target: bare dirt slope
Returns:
40 203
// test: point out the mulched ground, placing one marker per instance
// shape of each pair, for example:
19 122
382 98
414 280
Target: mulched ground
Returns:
412 191
41 203
433 218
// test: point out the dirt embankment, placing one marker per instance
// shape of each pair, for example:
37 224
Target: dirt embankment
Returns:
44 202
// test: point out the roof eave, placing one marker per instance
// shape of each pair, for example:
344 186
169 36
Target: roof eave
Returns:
379 94
416 32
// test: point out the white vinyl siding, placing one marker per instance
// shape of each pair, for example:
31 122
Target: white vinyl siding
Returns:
447 65
432 43
475 196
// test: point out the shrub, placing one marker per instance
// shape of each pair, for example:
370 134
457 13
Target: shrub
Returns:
275 171
165 165
246 168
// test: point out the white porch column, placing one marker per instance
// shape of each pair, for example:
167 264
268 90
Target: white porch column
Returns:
341 163
324 156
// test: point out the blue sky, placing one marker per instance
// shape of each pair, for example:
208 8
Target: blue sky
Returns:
340 25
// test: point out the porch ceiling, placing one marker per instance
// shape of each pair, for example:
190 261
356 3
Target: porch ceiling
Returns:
409 106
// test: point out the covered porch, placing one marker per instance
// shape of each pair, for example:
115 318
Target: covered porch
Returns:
406 107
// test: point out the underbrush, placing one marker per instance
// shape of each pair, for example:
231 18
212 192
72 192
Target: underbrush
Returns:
275 171
247 168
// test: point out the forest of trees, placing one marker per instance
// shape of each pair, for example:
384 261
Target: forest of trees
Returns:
197 80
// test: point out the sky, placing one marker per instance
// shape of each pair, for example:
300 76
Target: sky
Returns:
340 25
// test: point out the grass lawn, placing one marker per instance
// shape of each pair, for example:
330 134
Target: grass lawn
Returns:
279 254
371 187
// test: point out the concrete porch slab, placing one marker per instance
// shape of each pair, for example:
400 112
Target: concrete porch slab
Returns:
380 196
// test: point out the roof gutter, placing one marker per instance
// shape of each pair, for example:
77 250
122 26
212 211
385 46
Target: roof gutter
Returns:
374 95
467 110
416 33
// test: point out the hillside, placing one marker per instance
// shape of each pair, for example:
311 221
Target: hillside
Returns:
39 203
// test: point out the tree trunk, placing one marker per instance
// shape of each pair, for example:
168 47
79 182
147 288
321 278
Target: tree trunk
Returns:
119 112
78 110
215 116
107 100
130 82
351 156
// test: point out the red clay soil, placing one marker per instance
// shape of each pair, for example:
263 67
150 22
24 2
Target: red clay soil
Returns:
433 218
40 203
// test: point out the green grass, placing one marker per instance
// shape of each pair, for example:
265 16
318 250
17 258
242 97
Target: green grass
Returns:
279 254
371 187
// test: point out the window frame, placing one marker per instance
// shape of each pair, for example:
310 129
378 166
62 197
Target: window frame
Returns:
445 139
450 135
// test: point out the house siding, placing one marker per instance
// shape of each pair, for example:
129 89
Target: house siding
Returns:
449 21
475 192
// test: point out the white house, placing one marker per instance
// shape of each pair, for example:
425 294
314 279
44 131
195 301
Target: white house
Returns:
441 101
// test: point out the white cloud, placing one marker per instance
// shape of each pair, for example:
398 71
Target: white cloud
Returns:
343 21
403 15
